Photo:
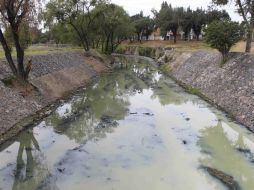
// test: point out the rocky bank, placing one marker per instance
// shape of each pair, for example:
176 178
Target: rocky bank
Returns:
231 86
53 76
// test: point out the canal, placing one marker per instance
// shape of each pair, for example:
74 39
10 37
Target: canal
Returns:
131 129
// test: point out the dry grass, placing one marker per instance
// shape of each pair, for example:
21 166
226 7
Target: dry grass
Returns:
183 45
188 46
240 47
41 50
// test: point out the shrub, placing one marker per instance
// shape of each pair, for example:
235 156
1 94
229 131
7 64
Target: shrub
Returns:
222 35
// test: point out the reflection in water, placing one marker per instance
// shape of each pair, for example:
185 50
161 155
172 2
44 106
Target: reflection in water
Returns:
132 129
24 171
225 155
30 170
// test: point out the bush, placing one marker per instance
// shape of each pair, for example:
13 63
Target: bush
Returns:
146 51
120 49
222 35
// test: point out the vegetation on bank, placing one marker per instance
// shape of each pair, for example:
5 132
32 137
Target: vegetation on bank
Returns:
222 35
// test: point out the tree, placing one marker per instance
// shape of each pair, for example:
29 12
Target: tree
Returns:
143 25
222 35
114 25
13 14
76 13
246 9
214 14
187 23
199 21
24 34
169 19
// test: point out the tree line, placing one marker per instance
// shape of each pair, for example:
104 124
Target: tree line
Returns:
93 26
99 24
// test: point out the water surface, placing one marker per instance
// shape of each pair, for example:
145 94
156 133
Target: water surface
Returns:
132 129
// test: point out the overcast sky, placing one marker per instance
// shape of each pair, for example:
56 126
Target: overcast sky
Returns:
135 6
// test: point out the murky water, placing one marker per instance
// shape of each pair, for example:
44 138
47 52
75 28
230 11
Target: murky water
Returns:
133 129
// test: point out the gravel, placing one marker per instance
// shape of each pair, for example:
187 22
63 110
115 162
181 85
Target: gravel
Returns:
14 106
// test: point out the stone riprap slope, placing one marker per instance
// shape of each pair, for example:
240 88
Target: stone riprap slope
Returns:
54 75
231 86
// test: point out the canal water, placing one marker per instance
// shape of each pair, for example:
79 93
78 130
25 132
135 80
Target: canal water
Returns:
131 129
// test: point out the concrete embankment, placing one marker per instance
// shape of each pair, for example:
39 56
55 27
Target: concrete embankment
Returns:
231 86
53 76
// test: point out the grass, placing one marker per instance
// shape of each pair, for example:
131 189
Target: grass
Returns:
240 47
183 45
42 50
186 45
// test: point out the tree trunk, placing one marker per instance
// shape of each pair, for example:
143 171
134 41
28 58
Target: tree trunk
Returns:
7 52
82 37
198 36
224 58
249 36
175 36
139 38
112 43
20 53
107 44
87 46
102 45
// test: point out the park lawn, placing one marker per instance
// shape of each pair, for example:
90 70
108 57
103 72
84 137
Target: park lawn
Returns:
42 50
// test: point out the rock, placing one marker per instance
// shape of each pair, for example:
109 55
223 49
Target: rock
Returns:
106 122
149 114
229 87
61 170
226 179
159 53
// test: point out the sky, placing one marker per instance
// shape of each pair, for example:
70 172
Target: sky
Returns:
135 6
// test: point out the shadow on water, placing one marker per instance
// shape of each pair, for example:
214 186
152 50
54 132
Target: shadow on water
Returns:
131 129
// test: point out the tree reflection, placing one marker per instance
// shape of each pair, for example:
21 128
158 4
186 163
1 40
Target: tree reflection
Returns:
30 170
24 170
168 92
225 156
109 97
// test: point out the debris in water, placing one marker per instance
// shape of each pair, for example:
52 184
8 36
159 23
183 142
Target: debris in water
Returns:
107 121
247 153
148 114
61 169
223 177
